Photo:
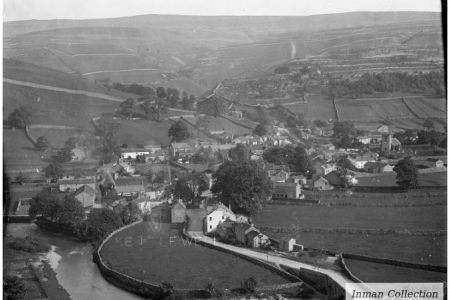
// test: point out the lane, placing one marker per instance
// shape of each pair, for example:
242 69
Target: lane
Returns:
59 89
337 276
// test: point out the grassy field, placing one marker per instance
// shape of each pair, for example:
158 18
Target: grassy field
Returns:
158 256
388 232
374 272
143 132
425 179
354 217
55 108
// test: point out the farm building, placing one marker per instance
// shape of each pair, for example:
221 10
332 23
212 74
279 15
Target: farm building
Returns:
86 196
300 179
286 190
181 149
378 167
240 231
278 175
153 148
359 161
145 205
133 153
322 184
129 186
327 168
74 184
256 239
288 245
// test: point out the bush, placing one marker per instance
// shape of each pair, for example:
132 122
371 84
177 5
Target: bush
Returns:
29 244
13 287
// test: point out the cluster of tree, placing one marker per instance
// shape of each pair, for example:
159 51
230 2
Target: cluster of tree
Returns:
68 211
370 83
178 132
406 173
65 210
19 118
282 69
152 104
14 287
294 156
422 137
42 143
190 187
107 146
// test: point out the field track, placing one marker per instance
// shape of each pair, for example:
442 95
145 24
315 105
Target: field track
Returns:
58 89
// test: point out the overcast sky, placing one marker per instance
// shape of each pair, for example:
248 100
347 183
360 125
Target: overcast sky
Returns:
87 9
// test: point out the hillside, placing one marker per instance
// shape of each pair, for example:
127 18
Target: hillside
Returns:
156 49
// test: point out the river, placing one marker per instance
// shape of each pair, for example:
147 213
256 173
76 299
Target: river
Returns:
72 262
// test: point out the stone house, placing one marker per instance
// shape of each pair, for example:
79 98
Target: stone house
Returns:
286 190
217 215
86 196
321 184
256 239
178 212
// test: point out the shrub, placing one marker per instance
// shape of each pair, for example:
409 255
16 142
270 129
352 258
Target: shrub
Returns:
249 285
13 287
29 244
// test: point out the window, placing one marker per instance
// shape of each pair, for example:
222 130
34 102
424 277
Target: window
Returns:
223 217
210 226
210 218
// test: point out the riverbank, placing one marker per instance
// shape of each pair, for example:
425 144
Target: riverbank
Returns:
70 261
40 279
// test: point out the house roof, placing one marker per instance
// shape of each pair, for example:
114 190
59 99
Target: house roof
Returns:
375 164
285 184
130 185
85 189
252 234
321 179
77 181
218 206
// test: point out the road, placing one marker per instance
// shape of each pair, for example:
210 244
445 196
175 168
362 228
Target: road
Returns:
64 90
335 275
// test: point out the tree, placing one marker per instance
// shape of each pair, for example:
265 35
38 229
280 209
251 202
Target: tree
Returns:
190 187
130 213
406 173
244 185
19 118
14 287
260 130
161 92
249 285
127 107
70 143
102 222
341 129
281 69
42 143
107 148
346 142
178 132
53 170
39 204
291 122
72 212
428 124
295 157
320 123
239 153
